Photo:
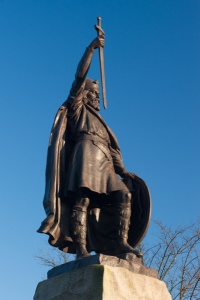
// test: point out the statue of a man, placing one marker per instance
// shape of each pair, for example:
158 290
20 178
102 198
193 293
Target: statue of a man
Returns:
83 164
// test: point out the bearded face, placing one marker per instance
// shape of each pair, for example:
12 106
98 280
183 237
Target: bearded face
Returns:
92 93
93 96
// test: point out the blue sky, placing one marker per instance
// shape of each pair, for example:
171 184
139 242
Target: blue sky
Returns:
152 67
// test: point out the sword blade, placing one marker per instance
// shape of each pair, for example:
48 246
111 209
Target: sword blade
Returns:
103 85
101 59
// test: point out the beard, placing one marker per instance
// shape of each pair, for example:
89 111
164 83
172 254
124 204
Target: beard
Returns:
94 103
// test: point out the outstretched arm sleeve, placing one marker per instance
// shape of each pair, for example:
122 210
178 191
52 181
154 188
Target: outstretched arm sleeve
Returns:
81 72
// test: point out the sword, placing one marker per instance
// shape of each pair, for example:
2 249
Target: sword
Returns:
101 58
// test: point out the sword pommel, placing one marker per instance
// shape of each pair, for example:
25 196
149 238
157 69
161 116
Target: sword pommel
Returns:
99 21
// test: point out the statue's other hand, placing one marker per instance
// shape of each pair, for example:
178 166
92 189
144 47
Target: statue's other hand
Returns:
98 42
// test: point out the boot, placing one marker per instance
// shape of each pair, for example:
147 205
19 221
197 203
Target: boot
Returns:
79 227
123 223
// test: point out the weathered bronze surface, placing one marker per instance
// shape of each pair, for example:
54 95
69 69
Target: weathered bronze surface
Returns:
88 206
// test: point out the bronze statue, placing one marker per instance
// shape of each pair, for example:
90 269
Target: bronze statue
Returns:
88 206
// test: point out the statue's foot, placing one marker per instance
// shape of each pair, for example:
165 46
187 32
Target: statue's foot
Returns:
82 253
126 248
137 253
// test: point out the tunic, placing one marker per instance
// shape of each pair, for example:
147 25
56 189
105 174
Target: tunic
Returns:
94 162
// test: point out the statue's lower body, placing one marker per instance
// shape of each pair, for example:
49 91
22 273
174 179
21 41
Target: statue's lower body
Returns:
121 201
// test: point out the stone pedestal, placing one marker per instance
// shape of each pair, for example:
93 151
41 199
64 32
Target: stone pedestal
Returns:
102 281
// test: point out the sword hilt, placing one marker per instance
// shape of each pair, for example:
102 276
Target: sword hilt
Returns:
98 27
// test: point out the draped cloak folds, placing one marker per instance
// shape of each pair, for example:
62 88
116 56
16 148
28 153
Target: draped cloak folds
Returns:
57 208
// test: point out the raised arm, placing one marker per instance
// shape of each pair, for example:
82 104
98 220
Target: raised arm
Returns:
84 65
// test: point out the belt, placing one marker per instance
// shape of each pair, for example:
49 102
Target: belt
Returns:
94 138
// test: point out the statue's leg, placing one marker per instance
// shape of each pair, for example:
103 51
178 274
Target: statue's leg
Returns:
122 220
79 226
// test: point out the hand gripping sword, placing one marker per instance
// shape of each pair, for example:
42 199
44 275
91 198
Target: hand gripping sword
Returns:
101 58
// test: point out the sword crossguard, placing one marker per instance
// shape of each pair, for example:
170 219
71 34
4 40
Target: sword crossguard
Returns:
99 30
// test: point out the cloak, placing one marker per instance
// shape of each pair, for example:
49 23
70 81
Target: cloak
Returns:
58 209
